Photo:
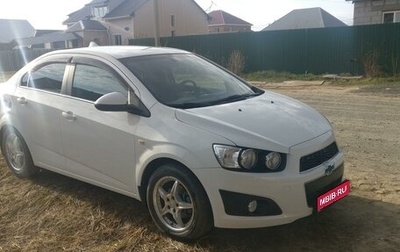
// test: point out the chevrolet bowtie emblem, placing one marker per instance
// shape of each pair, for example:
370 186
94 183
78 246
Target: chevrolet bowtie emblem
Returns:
329 170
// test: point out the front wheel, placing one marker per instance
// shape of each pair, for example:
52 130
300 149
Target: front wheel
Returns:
178 203
16 154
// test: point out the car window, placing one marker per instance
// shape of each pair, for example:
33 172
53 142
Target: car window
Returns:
187 81
91 82
185 74
48 77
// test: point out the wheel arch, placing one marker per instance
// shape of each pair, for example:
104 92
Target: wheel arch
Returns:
3 127
153 166
28 169
1 133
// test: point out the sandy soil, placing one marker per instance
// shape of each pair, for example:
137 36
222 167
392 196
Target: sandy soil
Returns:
54 213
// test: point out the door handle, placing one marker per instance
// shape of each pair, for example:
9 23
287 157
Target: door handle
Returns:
69 116
22 100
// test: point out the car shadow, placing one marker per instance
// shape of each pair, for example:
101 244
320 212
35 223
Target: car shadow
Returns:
123 207
353 224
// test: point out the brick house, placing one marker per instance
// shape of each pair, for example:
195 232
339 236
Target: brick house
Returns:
114 22
376 11
222 22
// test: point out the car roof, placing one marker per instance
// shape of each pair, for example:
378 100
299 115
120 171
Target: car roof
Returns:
119 52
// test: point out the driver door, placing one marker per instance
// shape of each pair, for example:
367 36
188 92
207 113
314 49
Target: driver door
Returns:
99 146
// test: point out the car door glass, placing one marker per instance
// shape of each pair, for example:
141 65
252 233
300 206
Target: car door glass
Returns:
48 78
91 82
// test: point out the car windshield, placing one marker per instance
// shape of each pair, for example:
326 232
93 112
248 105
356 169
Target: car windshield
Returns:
188 81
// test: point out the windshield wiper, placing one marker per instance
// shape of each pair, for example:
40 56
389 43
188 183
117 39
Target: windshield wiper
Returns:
234 98
189 105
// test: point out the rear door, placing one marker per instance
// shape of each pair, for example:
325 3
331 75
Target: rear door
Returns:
37 111
99 146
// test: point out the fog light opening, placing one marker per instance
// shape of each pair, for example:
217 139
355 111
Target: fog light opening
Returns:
252 206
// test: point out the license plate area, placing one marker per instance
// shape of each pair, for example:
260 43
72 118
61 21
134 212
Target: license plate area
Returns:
333 195
316 188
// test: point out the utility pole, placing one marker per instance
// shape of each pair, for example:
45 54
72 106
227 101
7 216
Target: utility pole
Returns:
156 24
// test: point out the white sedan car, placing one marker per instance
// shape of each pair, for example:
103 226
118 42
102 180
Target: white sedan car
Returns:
198 145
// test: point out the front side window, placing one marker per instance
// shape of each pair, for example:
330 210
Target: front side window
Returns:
48 78
91 82
187 81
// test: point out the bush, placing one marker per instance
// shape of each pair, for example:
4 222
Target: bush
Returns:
236 62
371 64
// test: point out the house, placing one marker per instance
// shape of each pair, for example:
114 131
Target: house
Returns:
14 29
46 39
376 11
221 21
305 19
114 22
87 31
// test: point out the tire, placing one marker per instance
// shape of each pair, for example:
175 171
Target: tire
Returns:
17 154
178 203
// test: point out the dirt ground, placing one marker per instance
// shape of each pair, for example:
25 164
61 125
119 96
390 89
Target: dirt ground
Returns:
55 213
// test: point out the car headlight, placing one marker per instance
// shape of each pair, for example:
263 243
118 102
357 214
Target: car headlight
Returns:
273 160
228 157
249 160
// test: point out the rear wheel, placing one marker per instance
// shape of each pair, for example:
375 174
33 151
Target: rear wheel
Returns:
16 154
178 203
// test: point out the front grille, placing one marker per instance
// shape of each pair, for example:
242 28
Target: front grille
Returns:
322 185
319 157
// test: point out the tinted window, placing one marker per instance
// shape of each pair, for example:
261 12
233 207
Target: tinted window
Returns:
187 81
91 82
48 77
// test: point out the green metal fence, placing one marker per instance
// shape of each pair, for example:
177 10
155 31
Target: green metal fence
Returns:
354 49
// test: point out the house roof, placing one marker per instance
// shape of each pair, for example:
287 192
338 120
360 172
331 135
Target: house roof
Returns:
87 25
98 1
125 9
42 32
116 8
220 17
12 29
305 19
47 38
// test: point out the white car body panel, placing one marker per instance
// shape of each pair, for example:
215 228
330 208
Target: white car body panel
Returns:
99 146
285 188
269 120
38 120
70 136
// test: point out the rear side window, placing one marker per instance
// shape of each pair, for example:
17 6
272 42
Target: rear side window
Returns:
48 77
91 82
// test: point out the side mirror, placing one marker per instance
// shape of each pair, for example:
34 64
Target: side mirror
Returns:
117 102
112 102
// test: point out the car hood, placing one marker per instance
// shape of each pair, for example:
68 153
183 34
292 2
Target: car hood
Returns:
269 121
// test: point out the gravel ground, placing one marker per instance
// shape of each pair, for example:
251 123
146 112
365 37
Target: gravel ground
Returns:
54 213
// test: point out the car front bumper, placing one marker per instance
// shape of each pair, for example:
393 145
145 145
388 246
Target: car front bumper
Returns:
281 198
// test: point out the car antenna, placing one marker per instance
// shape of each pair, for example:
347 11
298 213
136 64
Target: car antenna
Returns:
93 44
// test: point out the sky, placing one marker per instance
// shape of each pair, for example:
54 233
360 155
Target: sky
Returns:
49 14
